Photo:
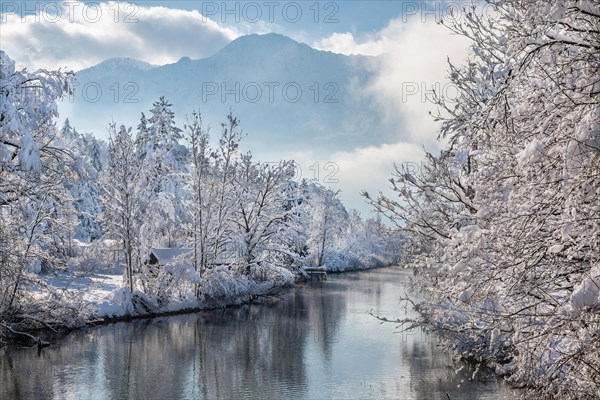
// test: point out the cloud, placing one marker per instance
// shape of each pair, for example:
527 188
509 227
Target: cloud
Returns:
413 60
365 168
345 43
369 169
77 35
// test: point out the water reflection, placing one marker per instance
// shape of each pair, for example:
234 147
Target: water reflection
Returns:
317 342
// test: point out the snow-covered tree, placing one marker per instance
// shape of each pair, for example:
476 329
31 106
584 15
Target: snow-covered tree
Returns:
27 111
201 187
83 187
261 197
34 216
329 221
163 167
142 138
121 187
225 159
506 217
163 133
238 205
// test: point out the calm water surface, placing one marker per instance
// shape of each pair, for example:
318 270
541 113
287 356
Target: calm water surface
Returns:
317 342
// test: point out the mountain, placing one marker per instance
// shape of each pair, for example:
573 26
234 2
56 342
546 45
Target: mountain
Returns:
112 66
287 95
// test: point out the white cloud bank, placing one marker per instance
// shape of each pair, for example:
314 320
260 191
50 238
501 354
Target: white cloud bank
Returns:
414 57
76 35
414 60
370 168
366 168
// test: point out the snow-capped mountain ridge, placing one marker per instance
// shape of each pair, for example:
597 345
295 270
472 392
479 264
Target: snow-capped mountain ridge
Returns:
124 62
287 94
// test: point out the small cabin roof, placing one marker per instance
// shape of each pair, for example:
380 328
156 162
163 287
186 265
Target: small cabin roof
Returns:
169 254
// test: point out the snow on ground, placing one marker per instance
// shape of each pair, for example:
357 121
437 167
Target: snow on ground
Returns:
92 288
95 286
105 295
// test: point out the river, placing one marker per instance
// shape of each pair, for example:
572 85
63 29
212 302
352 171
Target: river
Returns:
316 342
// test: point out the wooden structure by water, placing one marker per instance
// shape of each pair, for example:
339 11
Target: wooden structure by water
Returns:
316 273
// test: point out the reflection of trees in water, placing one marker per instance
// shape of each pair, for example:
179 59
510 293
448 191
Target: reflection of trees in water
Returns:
433 373
23 375
252 349
10 369
267 344
223 354
325 310
206 355
430 370
257 350
156 356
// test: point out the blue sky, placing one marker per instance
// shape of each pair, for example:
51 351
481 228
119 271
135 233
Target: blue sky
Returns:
318 19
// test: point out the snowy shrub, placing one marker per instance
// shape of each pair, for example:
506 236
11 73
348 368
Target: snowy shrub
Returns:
128 303
222 285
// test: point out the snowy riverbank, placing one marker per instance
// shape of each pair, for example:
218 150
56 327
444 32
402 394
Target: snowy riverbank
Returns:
103 294
75 299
